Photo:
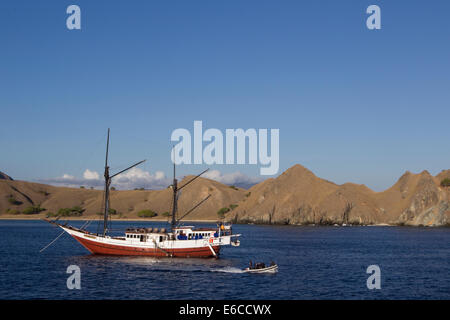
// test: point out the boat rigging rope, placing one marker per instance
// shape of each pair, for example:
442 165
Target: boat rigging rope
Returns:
52 241
89 222
85 224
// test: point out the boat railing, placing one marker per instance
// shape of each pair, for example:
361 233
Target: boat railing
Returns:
146 230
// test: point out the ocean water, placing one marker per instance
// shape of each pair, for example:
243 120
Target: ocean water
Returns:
314 263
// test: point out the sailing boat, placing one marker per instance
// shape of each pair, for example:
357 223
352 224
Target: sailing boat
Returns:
181 241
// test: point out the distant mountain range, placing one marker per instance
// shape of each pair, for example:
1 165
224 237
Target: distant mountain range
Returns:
4 176
296 197
299 197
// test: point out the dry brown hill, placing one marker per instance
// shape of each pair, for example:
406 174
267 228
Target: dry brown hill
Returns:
299 197
17 196
290 198
444 174
416 199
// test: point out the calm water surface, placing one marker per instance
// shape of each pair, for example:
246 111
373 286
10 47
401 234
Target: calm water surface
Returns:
314 263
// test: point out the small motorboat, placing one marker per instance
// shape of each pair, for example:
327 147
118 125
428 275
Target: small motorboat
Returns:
235 243
261 268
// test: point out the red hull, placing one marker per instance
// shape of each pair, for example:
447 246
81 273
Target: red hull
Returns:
108 249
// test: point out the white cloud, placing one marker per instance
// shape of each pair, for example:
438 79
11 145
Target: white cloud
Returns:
236 178
68 180
133 178
138 178
91 175
159 175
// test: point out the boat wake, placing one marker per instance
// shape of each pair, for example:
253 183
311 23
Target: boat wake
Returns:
228 270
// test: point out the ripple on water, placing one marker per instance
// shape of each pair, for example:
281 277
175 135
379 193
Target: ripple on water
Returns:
314 263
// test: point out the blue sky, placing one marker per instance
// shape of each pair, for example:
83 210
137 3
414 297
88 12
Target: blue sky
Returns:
351 104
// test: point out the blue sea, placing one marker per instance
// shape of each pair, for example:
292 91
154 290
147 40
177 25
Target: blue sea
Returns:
314 263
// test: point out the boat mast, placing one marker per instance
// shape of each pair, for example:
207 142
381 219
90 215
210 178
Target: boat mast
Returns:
107 183
174 200
108 179
175 195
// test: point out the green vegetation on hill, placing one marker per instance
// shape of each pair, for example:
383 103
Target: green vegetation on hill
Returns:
12 211
147 214
445 182
13 200
70 212
111 211
222 211
33 210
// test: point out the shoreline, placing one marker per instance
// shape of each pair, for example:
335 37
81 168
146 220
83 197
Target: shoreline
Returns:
214 221
95 218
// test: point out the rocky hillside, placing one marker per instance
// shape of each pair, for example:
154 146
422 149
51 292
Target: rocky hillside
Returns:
297 196
416 199
18 198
